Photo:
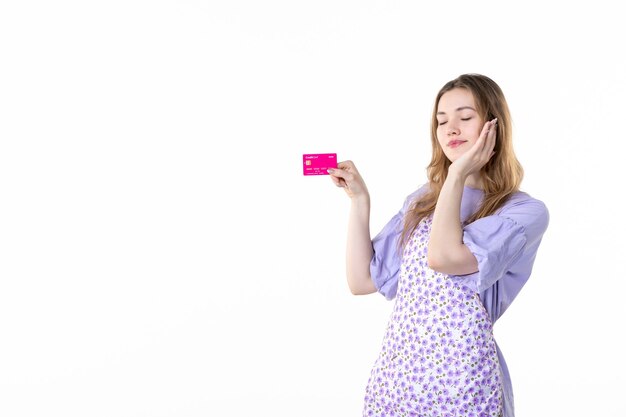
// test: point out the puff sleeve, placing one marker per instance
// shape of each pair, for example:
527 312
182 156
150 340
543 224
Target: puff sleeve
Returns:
386 261
505 245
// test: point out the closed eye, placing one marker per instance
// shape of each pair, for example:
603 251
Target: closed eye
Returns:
464 119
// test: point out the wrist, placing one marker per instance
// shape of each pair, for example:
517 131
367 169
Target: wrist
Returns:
362 199
456 177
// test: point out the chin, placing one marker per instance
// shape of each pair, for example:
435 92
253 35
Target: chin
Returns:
452 158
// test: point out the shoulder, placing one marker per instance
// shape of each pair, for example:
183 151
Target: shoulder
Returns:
530 213
421 190
415 195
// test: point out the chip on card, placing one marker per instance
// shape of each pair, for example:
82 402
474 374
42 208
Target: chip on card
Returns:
318 163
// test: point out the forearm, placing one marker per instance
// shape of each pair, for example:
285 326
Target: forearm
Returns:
359 249
446 251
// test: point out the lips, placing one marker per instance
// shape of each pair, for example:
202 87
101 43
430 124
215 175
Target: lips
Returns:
455 143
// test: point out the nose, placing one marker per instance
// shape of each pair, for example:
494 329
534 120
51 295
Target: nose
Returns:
452 129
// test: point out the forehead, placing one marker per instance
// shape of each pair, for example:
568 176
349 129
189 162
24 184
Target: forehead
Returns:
454 99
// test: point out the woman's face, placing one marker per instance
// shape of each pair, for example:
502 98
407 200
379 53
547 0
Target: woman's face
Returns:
458 122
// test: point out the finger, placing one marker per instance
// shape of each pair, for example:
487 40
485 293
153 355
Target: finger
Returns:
346 165
340 182
340 173
489 140
485 131
337 181
479 145
493 133
334 172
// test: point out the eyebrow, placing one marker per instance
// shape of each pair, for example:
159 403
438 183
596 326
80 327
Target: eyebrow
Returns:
459 109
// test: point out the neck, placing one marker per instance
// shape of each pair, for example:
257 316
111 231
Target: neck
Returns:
474 181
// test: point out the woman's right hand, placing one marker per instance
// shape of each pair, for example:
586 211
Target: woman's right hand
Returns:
347 176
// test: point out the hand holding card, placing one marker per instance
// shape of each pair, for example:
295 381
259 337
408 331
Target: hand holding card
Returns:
347 177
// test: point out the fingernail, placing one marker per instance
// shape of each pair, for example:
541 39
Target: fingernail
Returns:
495 120
330 170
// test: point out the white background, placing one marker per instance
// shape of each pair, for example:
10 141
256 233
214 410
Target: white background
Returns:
161 253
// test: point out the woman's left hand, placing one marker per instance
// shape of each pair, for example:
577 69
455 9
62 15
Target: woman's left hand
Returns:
479 154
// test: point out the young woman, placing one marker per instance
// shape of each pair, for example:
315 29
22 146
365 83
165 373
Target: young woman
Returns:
454 257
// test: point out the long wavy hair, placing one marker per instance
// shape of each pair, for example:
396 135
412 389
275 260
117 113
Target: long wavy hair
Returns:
501 176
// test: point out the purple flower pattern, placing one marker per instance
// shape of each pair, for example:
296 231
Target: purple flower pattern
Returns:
438 357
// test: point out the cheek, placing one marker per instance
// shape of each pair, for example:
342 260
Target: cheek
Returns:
476 130
440 135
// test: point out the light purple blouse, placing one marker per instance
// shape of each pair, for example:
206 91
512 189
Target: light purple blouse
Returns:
504 244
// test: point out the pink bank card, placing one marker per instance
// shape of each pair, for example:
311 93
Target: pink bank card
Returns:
318 163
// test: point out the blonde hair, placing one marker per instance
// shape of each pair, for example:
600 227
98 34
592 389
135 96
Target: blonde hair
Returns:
501 176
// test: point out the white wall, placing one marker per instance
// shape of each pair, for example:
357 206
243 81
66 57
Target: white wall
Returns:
161 253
